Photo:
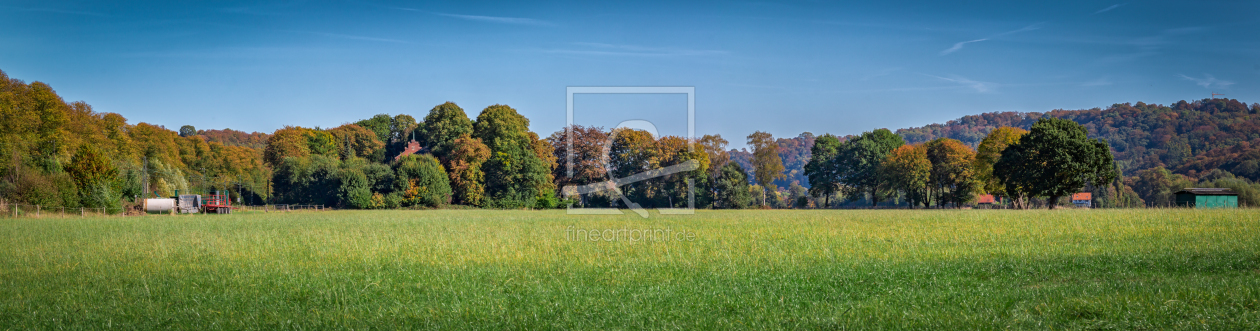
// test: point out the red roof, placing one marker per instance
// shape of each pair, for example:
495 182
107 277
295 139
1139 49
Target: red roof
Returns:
985 198
412 148
1083 196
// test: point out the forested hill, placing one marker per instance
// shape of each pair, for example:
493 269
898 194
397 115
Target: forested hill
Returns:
1189 138
229 137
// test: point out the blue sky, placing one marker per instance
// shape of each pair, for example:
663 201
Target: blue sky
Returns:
781 67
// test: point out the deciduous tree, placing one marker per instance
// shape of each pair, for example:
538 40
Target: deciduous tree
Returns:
858 163
767 166
467 179
1054 159
444 124
821 168
514 171
422 181
356 141
989 152
952 178
908 170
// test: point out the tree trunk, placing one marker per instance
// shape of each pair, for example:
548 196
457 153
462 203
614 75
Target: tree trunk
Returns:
1054 200
827 201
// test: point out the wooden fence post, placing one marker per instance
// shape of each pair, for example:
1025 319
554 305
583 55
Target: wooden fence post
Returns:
36 210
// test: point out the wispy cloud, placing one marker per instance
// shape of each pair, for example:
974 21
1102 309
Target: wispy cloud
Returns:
1208 81
487 19
959 45
973 84
1147 46
499 19
353 37
630 50
1104 10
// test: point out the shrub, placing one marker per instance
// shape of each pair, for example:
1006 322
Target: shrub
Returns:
422 181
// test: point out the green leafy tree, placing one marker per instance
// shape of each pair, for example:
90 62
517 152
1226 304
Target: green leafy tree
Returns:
322 142
422 181
858 164
379 125
821 168
733 191
187 131
1054 159
95 176
356 190
767 166
514 171
402 129
1156 186
308 180
444 124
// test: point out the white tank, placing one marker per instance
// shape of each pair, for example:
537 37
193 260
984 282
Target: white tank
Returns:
159 205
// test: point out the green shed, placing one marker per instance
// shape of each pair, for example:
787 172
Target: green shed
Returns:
1207 198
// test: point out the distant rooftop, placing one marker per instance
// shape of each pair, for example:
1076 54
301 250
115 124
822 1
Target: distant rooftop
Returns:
1208 191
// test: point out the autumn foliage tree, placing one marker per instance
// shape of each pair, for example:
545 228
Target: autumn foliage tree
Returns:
952 178
908 170
767 166
284 143
422 181
356 141
989 152
467 179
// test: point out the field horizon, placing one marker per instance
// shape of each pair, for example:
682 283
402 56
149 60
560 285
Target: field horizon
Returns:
753 269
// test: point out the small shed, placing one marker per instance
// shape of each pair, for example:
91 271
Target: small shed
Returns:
1083 199
1207 198
985 201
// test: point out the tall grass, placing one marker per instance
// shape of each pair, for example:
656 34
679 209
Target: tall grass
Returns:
777 269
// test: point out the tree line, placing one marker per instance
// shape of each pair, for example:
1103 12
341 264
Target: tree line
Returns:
56 153
1054 159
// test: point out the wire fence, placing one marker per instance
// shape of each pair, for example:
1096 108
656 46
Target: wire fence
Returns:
281 208
17 210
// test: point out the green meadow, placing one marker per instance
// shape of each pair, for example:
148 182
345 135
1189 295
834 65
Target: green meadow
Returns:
756 269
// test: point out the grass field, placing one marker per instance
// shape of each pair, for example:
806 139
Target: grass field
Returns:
768 269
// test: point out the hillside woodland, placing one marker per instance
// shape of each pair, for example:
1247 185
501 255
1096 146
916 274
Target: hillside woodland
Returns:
64 154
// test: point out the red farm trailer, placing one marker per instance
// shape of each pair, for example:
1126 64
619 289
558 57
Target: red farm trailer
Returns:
217 203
